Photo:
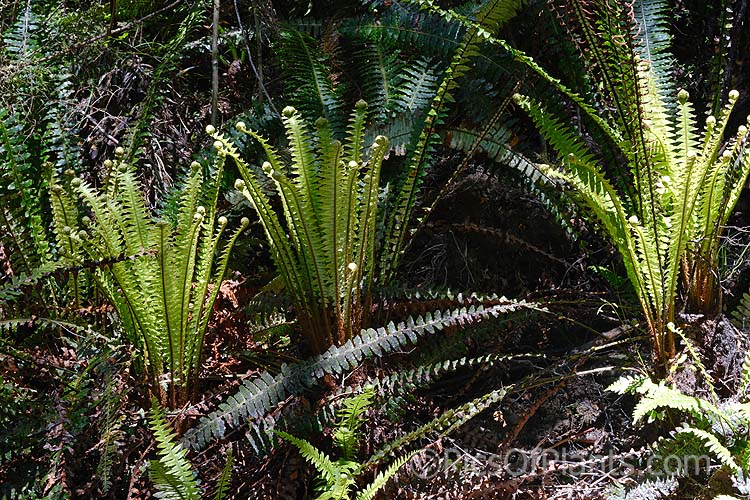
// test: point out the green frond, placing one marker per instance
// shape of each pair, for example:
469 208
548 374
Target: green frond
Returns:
400 27
172 474
712 444
258 396
657 396
419 82
446 423
651 274
400 131
696 358
110 433
330 202
351 418
404 200
222 486
21 184
322 462
493 142
652 32
308 85
21 40
164 279
579 169
383 477
379 73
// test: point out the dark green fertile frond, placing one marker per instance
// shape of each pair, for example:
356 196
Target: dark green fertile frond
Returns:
404 201
419 82
21 186
655 42
402 27
307 81
493 143
21 40
378 74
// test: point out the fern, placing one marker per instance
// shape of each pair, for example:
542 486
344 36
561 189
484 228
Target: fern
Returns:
261 395
172 474
330 206
380 76
400 26
21 40
446 423
719 429
659 489
338 477
21 221
490 17
712 444
168 57
393 386
308 82
110 433
164 297
222 486
42 432
678 201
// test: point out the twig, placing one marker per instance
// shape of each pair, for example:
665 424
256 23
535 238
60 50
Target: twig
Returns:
250 59
96 38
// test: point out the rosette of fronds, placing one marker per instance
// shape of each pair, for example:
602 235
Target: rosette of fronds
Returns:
665 214
164 275
329 197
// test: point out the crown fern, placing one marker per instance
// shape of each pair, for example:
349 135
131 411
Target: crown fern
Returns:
164 279
324 254
684 183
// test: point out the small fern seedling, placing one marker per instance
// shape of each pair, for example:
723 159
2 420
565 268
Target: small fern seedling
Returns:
336 479
721 429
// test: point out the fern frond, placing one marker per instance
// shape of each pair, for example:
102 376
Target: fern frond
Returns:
383 477
308 83
402 27
658 489
331 474
351 419
418 86
379 76
172 474
222 486
712 444
257 397
21 185
404 201
656 396
493 143
446 423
